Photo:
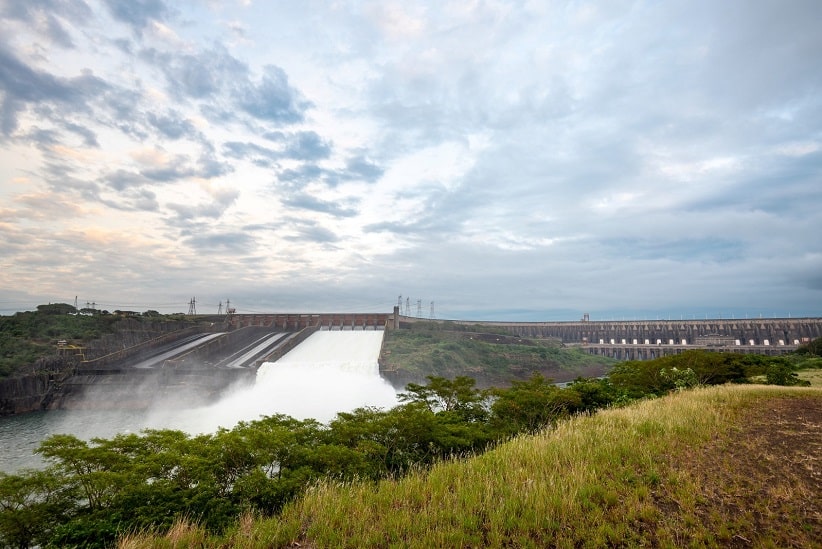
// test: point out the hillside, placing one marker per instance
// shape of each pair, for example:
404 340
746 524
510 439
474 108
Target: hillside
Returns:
721 466
29 339
491 358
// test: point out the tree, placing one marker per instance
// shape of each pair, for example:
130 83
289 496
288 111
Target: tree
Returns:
813 348
56 309
531 405
594 393
458 395
31 505
779 373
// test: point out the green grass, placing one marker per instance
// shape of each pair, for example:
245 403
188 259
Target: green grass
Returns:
623 477
490 358
814 375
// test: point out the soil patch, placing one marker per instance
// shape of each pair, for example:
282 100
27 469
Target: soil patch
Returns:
761 484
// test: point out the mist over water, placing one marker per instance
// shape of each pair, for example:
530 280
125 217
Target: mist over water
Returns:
330 372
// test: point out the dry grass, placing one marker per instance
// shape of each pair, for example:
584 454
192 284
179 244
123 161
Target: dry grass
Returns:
667 472
183 534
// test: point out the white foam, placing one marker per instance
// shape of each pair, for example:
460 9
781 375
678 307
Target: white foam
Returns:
330 372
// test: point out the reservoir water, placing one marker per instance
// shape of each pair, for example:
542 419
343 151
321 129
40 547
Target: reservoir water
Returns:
330 372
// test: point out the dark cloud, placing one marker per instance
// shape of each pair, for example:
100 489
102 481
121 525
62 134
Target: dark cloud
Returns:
300 177
219 243
307 146
43 138
209 166
22 85
261 156
300 230
356 169
44 17
122 180
172 125
204 74
273 99
133 199
138 13
89 137
209 210
361 169
168 173
308 202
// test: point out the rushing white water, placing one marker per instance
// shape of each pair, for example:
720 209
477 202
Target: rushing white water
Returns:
330 372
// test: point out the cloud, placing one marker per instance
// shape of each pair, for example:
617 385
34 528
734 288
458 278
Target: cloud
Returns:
220 243
48 17
221 199
138 13
605 157
273 99
308 202
304 231
198 75
307 146
21 84
359 168
171 125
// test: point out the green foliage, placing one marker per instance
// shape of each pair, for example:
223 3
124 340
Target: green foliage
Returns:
780 373
450 350
458 395
529 406
681 379
28 336
56 309
31 505
814 348
147 482
93 492
659 376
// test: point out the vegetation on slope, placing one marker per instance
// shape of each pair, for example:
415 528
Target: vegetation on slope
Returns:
696 468
493 358
26 337
94 491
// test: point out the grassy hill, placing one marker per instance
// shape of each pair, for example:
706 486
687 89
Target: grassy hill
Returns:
491 358
720 466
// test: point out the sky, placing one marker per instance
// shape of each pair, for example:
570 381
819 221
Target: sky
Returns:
486 160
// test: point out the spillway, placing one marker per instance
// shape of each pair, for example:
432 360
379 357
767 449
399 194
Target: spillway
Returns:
330 372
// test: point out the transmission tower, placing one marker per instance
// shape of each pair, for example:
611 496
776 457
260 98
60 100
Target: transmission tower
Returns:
192 306
431 315
220 309
419 308
407 306
399 303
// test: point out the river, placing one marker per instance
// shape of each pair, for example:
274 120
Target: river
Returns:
330 372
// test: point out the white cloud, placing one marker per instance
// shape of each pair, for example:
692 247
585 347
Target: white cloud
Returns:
491 156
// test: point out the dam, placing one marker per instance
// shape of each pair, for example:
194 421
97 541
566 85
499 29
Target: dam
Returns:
332 371
196 365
